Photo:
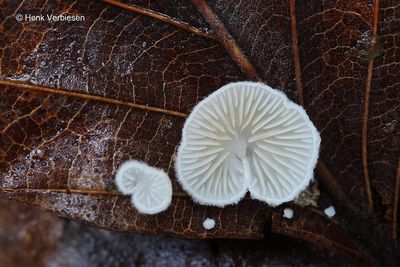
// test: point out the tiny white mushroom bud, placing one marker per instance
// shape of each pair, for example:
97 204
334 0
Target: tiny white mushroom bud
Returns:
330 211
209 224
288 213
246 137
150 187
39 153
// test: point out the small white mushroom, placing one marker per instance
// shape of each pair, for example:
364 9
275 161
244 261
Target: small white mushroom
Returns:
246 137
330 211
150 188
288 213
39 153
209 224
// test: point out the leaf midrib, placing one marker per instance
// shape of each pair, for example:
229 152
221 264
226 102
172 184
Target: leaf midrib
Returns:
58 91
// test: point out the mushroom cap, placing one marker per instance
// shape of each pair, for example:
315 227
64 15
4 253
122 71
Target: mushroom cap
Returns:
244 137
150 187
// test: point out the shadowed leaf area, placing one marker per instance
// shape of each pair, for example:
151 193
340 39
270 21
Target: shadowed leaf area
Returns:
42 239
79 98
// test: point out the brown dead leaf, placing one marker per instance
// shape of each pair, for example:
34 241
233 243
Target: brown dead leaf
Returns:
79 98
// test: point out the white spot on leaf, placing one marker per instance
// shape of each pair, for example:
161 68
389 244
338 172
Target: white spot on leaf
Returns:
288 213
330 211
209 224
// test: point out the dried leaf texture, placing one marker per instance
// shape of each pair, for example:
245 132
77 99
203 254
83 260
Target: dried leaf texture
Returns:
334 75
262 28
78 99
182 11
384 120
114 53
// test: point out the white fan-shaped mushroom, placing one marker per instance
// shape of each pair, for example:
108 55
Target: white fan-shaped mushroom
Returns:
247 136
150 188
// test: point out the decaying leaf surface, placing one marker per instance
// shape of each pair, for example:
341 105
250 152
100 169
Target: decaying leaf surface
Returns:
79 98
334 76
42 239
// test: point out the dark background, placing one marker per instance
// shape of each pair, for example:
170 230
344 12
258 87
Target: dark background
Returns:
31 237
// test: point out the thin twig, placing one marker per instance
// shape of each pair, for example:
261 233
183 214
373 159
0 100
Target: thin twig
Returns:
161 17
396 202
328 179
295 52
227 41
364 131
330 182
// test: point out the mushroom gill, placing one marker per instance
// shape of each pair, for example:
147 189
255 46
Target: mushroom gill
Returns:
246 137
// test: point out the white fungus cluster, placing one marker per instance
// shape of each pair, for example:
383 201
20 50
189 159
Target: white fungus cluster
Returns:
149 187
246 137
